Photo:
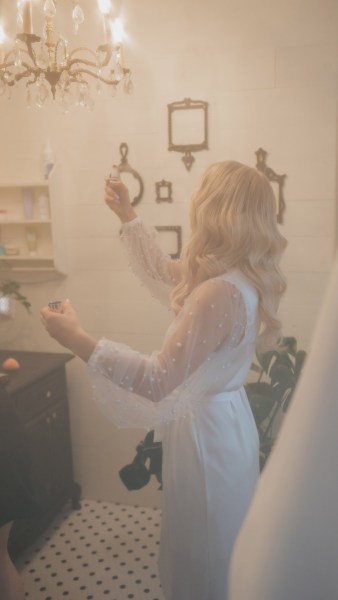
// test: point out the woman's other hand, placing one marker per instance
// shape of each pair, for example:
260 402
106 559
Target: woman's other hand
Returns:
118 200
64 326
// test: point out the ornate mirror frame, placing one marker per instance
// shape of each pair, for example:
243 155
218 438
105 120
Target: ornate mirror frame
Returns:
124 167
163 186
188 105
272 176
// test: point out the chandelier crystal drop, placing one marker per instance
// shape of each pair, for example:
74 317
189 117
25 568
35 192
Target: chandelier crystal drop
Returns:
51 69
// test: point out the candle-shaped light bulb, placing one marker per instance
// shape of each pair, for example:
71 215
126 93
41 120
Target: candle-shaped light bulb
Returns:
118 33
49 9
104 6
2 42
78 17
27 17
2 34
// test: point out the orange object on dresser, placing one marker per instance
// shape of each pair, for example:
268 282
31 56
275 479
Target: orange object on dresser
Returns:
10 364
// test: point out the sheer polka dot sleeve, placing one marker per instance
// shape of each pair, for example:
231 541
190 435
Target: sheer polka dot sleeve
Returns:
148 389
155 269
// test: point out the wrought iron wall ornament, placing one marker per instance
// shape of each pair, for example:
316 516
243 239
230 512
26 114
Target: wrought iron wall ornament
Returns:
199 110
176 229
272 176
124 167
163 191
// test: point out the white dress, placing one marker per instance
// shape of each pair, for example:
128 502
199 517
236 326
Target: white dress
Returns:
191 390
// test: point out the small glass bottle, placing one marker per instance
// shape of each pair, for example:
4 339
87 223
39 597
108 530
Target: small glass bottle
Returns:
43 205
31 240
49 159
28 204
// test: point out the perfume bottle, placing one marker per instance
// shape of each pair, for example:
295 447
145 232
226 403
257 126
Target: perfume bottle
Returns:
114 172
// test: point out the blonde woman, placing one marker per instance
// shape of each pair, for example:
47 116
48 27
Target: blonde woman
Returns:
224 293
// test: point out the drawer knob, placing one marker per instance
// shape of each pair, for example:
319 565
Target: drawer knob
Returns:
48 394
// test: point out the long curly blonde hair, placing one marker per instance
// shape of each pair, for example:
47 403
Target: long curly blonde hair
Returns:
234 226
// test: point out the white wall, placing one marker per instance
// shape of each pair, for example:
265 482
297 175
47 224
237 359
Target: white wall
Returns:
269 73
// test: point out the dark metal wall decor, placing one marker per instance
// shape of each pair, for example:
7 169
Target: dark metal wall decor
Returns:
163 191
124 167
176 229
179 134
272 176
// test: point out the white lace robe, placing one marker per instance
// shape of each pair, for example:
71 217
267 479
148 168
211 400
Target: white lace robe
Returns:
193 388
137 390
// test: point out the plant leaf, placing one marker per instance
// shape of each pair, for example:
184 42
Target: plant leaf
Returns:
287 399
299 362
282 375
283 358
258 387
289 344
265 358
261 406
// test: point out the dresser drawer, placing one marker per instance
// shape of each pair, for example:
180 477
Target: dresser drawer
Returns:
34 399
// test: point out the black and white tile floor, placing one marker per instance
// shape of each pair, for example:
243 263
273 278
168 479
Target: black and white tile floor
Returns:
103 551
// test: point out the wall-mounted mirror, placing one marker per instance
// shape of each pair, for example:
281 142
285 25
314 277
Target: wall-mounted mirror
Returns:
124 167
188 128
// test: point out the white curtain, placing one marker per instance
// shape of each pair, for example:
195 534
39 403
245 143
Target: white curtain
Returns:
288 546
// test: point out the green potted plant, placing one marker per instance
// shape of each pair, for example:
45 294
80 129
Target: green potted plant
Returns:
147 462
269 396
11 289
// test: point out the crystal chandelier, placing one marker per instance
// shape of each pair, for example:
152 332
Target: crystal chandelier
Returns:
50 69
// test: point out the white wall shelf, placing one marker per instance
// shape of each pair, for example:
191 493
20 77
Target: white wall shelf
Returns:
35 242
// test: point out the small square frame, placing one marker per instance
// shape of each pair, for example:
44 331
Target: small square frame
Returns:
163 191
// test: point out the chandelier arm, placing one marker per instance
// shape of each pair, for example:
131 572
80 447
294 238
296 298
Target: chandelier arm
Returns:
20 76
33 80
6 57
80 61
74 76
29 70
5 64
81 49
107 48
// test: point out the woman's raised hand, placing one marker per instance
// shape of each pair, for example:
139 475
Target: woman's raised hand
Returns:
118 200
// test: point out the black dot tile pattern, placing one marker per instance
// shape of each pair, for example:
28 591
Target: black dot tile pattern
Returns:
102 552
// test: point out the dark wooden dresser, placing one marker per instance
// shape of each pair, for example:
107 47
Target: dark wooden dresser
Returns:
38 390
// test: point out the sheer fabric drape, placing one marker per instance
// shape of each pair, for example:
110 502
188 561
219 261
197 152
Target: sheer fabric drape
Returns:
288 546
